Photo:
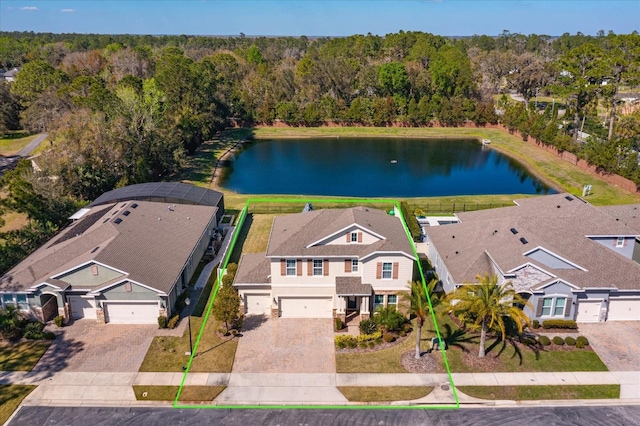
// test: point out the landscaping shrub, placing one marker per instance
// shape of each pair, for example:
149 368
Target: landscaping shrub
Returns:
389 318
369 337
173 321
343 341
338 324
557 340
402 333
351 344
368 326
411 221
544 340
33 331
48 335
388 337
371 344
583 340
363 345
162 321
566 324
535 324
580 345
407 327
59 321
341 345
570 341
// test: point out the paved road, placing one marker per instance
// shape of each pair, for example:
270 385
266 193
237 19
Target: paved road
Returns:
608 415
26 151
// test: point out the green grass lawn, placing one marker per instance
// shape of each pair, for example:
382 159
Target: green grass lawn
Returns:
383 394
168 393
10 398
525 393
23 355
13 142
214 354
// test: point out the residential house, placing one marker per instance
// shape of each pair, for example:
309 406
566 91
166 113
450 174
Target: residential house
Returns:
328 263
10 75
571 260
124 259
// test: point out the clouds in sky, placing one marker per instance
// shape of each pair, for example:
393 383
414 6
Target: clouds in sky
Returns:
29 8
67 10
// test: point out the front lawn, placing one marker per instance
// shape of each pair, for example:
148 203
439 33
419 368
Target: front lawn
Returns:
214 354
22 355
526 393
382 394
10 398
168 393
13 142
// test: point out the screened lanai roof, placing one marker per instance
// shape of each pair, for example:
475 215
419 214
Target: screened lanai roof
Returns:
166 192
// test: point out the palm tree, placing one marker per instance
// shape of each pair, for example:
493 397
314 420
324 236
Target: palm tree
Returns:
489 304
417 303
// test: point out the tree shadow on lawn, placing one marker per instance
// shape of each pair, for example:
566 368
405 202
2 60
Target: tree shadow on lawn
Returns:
455 338
213 347
515 343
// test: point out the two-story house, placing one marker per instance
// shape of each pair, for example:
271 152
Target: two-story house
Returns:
327 263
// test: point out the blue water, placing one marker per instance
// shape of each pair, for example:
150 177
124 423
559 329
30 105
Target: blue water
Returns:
363 167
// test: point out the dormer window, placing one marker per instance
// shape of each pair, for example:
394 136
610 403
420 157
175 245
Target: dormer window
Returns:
620 242
354 237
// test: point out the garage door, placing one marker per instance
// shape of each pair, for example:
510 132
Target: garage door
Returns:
257 304
82 308
624 310
588 310
131 313
311 307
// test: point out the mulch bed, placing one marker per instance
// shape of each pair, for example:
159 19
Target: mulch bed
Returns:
426 364
376 348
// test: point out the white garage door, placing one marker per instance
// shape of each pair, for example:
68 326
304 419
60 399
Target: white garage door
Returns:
82 308
588 310
257 304
624 310
306 307
131 313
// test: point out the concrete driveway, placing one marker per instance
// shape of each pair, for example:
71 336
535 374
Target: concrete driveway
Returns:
616 342
285 345
90 347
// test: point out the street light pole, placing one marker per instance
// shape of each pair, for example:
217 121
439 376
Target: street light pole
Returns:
188 302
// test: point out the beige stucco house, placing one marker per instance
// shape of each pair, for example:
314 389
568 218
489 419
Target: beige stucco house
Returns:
328 263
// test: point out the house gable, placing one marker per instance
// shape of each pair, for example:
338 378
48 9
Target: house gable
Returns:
551 260
90 275
353 234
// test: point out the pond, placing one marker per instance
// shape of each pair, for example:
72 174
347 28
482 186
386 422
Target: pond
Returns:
377 167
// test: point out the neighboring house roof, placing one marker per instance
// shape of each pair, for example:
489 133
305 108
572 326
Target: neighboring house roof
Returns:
628 214
254 268
295 234
150 243
166 192
559 224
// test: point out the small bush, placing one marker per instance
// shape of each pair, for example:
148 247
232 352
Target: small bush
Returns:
351 344
162 321
33 331
402 333
557 340
368 326
363 345
341 345
544 340
389 318
48 335
563 324
343 341
379 340
338 324
407 328
59 321
371 344
535 324
583 340
388 337
580 344
173 321
570 341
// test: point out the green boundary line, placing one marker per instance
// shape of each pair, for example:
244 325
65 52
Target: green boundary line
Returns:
225 261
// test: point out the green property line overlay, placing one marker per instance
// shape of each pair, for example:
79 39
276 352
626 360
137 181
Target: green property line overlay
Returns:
225 261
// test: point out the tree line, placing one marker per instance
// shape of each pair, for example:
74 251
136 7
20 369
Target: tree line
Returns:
123 109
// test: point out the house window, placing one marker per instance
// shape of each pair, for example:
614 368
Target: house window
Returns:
378 300
387 268
317 267
7 299
554 306
354 265
354 237
620 242
392 300
291 267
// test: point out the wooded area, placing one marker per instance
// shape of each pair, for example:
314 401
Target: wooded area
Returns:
123 109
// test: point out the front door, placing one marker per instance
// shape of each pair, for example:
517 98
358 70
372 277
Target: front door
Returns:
351 303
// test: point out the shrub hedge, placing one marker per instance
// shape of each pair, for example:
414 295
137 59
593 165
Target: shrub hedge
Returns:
544 340
557 340
582 340
566 324
570 341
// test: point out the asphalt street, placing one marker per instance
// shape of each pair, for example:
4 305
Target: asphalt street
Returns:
547 416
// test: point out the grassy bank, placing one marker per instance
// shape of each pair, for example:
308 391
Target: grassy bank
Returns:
547 167
528 393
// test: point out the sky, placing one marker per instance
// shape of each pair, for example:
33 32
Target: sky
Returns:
320 18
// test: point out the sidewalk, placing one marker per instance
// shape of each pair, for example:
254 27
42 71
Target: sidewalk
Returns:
115 389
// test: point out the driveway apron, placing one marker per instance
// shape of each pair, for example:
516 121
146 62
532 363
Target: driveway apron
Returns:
615 342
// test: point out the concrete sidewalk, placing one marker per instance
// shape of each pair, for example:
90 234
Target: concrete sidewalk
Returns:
115 389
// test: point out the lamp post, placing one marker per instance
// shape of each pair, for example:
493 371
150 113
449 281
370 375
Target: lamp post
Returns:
188 302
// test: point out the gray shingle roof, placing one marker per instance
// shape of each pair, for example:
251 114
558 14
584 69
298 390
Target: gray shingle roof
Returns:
291 234
254 268
552 222
151 244
352 286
